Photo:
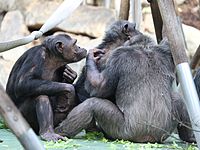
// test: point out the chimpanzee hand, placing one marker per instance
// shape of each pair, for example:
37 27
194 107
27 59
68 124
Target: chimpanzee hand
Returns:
96 54
69 75
51 136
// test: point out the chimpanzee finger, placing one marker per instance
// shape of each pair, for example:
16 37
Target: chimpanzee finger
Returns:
68 69
72 74
99 53
68 78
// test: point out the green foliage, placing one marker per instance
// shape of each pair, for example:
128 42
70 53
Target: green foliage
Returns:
114 145
61 144
94 136
2 124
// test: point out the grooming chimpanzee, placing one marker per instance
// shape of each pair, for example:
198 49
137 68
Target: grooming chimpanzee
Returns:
36 83
139 75
118 33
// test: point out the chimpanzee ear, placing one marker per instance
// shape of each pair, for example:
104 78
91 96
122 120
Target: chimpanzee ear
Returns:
59 46
125 28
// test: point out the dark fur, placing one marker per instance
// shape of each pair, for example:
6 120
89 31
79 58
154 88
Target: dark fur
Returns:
139 75
197 81
35 85
118 33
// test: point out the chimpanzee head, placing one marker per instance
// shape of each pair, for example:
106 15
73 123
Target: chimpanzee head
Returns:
123 30
64 47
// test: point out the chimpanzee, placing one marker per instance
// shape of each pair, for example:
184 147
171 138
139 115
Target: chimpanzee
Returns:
118 33
36 83
139 75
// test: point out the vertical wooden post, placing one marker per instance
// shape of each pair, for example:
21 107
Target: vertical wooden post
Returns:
177 45
17 123
157 19
124 10
195 59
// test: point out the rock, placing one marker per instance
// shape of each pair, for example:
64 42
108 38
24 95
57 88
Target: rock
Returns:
5 68
7 5
93 24
192 37
13 28
179 2
147 23
79 22
37 12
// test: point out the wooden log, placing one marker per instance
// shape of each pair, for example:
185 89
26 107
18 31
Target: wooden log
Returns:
17 123
157 19
124 10
195 59
173 31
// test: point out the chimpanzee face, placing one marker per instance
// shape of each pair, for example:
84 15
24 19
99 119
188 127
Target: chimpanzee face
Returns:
69 50
73 52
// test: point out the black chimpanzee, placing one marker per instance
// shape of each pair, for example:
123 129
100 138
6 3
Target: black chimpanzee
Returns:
118 33
36 83
139 76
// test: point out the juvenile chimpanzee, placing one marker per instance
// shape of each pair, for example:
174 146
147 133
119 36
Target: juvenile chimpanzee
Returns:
139 75
35 83
118 33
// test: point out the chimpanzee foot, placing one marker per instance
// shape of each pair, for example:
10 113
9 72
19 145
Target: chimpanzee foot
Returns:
49 136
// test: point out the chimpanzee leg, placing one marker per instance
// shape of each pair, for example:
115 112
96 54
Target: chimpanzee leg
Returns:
107 115
63 105
184 126
28 110
45 119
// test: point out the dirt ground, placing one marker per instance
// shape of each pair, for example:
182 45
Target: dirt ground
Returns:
189 13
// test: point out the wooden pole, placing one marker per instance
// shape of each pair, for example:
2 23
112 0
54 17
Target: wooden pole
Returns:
175 37
157 19
17 123
124 10
195 59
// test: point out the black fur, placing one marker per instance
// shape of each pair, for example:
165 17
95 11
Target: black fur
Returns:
35 83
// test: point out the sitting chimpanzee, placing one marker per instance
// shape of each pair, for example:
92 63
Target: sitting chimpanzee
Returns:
36 83
139 76
116 35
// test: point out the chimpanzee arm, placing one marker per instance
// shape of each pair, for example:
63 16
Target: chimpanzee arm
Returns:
35 87
101 84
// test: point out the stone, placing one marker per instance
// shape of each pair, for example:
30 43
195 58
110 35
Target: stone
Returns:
192 37
37 12
12 28
5 68
179 2
93 24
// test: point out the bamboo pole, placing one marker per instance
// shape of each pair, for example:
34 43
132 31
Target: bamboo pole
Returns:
17 123
175 37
